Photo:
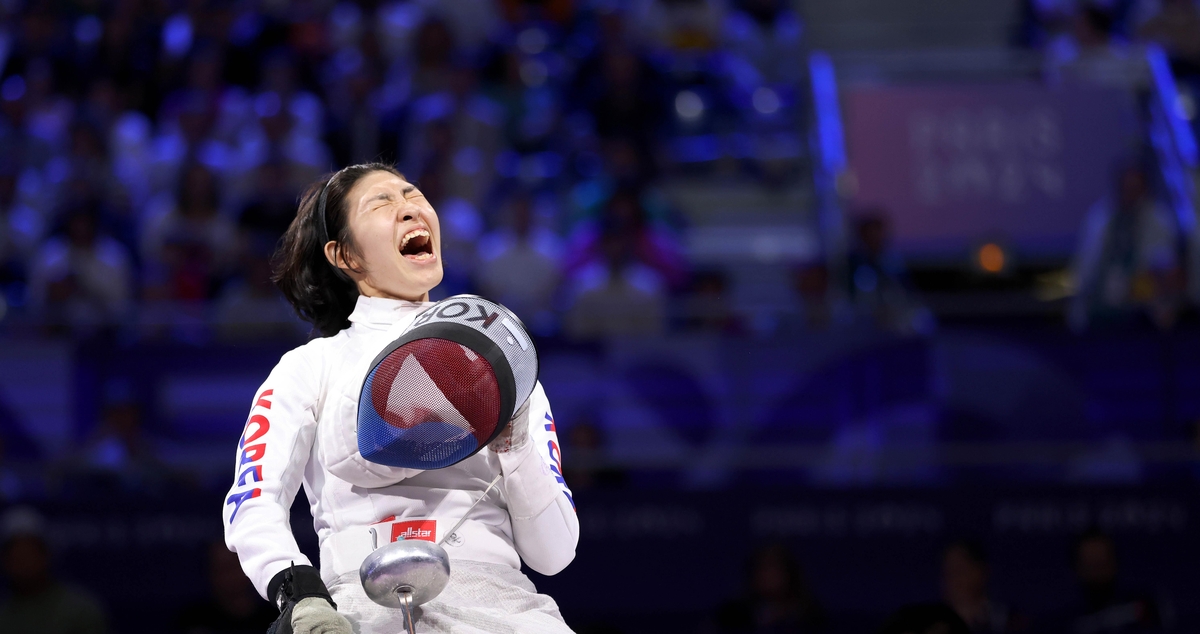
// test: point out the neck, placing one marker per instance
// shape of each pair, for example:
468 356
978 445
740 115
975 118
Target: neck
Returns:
367 290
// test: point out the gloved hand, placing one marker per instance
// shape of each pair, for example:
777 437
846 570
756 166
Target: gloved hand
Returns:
305 606
516 435
315 615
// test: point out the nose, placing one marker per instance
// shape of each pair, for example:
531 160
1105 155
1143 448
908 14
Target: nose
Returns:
409 211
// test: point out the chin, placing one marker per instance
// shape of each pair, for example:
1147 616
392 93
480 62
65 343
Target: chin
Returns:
435 277
430 281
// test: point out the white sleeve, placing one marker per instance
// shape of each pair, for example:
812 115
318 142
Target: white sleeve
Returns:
545 527
271 457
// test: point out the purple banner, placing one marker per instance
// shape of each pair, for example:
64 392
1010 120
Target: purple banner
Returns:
957 165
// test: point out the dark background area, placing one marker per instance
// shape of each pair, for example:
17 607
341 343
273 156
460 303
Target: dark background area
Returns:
842 305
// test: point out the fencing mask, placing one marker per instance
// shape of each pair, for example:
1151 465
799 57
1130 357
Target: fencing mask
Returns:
446 387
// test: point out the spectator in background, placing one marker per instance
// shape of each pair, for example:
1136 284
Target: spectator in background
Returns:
619 271
48 113
185 131
232 605
586 443
102 105
1176 27
1092 54
766 35
617 295
267 214
777 598
624 165
708 307
1106 608
250 307
624 99
432 55
189 247
879 285
280 83
518 265
81 282
822 307
207 83
460 129
531 105
87 161
119 457
359 114
1127 266
18 138
277 132
618 86
965 588
20 231
131 149
127 49
37 601
649 244
89 174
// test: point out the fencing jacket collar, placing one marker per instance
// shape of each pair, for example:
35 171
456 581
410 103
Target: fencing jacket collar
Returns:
377 313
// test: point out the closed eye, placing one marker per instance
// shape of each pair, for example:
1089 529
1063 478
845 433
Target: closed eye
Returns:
384 198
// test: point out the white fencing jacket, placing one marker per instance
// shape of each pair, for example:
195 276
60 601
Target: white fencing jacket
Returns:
301 430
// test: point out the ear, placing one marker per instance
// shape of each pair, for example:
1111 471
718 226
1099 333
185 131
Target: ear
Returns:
339 258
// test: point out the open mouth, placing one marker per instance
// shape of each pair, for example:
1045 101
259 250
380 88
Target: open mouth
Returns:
417 245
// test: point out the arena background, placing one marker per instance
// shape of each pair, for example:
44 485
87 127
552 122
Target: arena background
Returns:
821 288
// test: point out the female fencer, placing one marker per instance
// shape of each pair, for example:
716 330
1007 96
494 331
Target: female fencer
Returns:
358 261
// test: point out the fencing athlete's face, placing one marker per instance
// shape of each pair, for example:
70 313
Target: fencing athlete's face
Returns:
398 237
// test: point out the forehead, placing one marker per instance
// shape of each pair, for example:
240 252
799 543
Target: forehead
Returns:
375 183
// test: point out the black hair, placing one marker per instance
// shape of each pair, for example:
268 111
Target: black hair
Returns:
320 292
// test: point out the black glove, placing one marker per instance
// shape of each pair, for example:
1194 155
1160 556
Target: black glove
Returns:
289 587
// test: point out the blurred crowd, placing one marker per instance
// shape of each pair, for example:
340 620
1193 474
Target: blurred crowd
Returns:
776 596
151 151
1096 40
1137 263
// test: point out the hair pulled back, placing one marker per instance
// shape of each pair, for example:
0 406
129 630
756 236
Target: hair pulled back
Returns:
320 292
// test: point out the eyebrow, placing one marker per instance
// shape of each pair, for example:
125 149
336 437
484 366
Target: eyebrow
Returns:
385 195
